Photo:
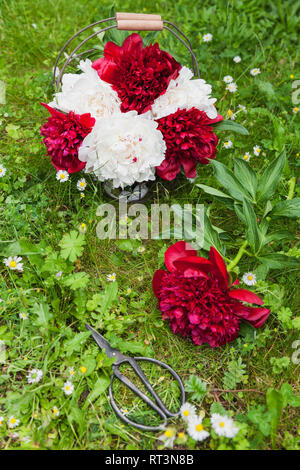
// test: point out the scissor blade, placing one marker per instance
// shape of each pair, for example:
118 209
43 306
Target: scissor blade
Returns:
104 344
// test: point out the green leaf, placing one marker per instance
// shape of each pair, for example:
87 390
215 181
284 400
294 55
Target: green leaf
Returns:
75 343
99 387
229 181
277 236
217 407
275 403
211 236
289 398
270 178
77 280
232 126
72 245
288 208
254 235
108 297
127 346
13 131
43 313
247 175
213 191
279 261
196 387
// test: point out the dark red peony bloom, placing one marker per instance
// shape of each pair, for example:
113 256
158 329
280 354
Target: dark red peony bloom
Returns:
197 298
138 74
64 134
190 138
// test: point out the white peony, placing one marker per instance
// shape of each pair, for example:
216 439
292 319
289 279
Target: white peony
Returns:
86 93
185 93
123 148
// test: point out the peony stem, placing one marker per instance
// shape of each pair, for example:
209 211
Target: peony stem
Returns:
240 253
292 183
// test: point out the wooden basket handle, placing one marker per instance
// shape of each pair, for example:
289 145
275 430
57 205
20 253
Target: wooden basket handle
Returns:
138 22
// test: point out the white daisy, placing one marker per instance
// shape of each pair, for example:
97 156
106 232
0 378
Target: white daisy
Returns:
13 262
71 371
111 277
128 291
247 157
55 411
232 87
256 150
207 37
58 275
196 430
243 108
228 144
223 425
62 176
68 388
168 437
12 422
237 59
2 171
228 79
187 411
82 228
81 184
124 411
34 376
34 25
255 72
230 115
1 420
249 279
141 249
295 111
23 316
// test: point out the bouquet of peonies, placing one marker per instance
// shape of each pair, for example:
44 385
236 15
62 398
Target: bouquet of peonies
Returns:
132 114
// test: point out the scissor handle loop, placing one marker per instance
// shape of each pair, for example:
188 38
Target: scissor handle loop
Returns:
159 407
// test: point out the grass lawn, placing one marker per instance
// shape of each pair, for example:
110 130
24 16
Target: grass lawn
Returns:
255 378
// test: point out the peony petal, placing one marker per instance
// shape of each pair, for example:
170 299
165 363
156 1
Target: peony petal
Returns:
53 111
246 296
195 263
178 250
156 281
219 265
256 316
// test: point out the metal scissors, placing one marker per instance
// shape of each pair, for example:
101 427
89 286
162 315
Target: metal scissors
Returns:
158 405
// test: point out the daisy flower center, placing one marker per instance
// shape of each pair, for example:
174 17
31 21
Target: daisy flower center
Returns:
186 412
168 433
222 424
13 264
62 177
0 170
250 278
67 387
199 427
13 420
83 369
82 184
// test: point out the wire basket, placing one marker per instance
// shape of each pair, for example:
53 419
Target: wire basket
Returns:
125 22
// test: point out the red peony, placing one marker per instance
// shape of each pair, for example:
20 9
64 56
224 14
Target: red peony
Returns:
197 298
64 134
139 75
190 138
